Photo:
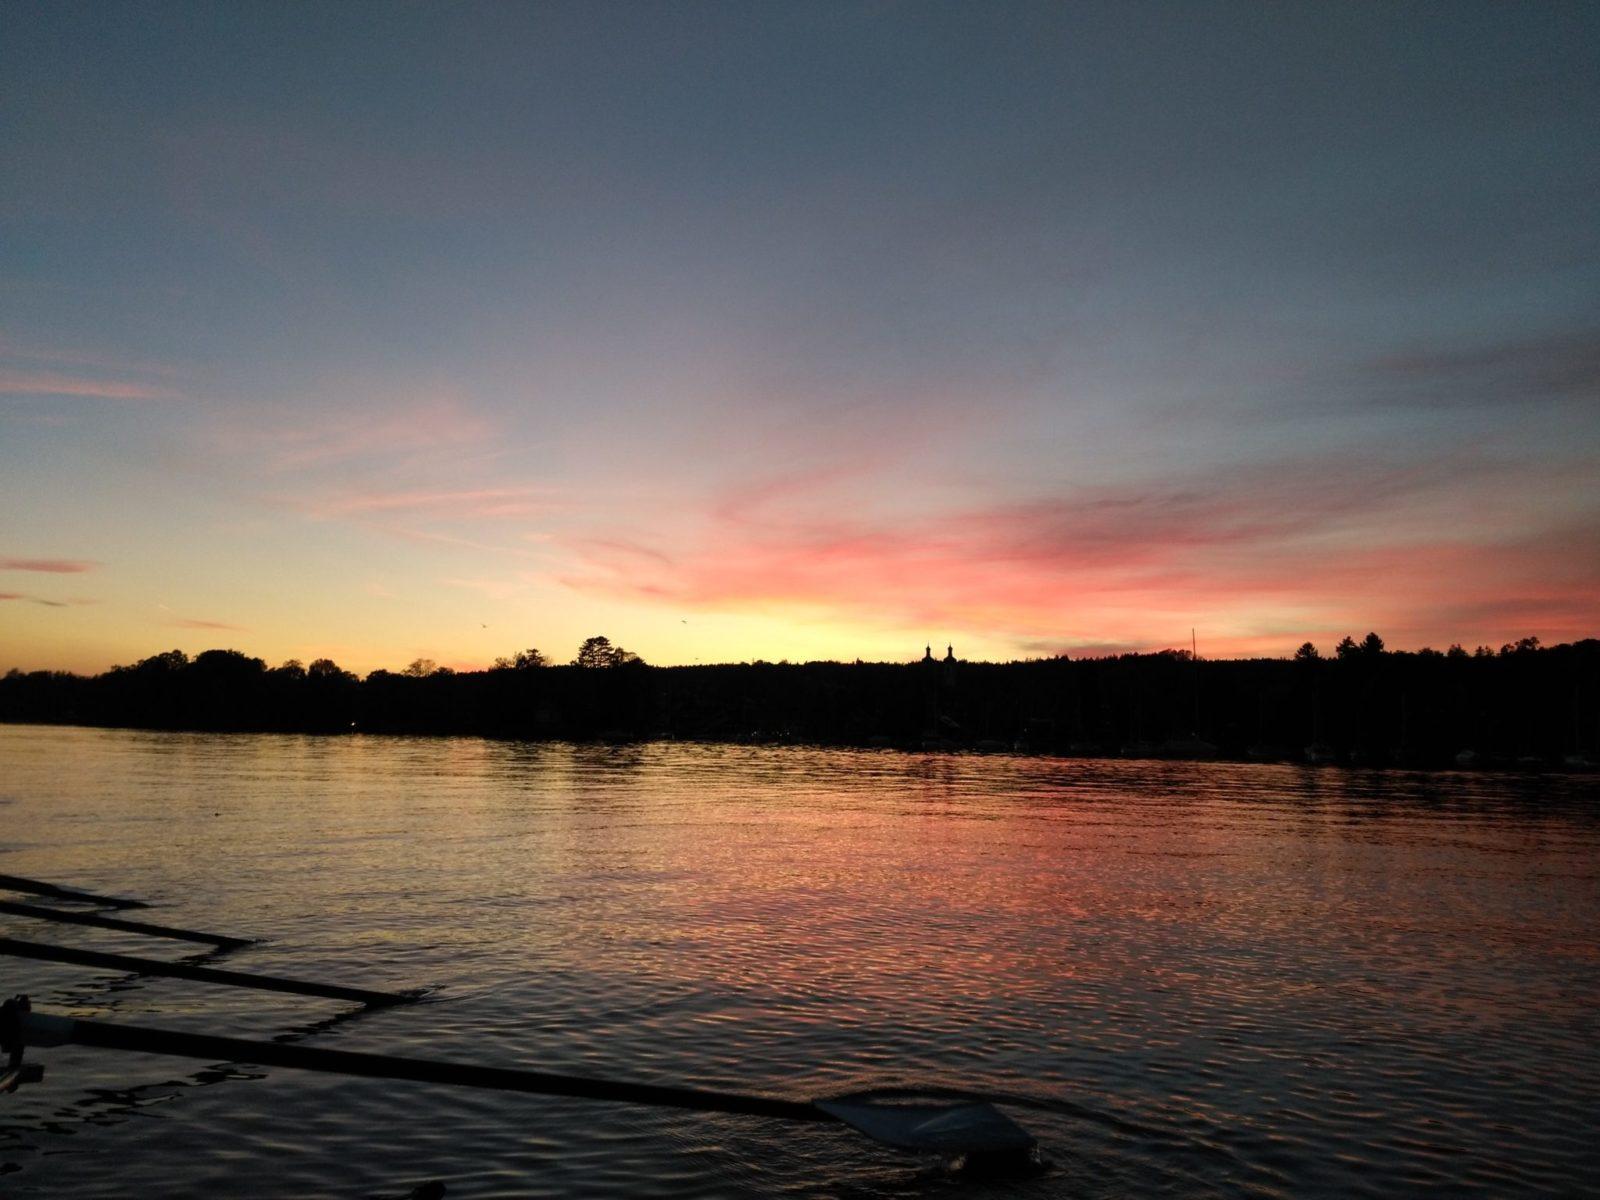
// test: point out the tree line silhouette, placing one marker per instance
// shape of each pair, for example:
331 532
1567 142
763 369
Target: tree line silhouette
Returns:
1524 704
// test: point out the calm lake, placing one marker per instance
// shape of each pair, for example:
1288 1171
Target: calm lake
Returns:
1250 980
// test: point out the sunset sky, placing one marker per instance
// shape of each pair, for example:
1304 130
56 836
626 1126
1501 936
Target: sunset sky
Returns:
796 331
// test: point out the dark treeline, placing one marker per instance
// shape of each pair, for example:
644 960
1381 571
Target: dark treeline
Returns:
1524 705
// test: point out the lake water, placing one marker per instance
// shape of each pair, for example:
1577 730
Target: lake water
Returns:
1248 980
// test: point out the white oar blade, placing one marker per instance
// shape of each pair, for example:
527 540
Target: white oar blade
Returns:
967 1128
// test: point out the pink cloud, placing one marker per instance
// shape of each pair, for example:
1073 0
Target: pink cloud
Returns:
53 566
1261 556
353 426
392 467
49 383
619 548
13 347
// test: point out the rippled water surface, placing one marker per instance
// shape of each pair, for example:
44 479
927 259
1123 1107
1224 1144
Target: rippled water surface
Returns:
1248 980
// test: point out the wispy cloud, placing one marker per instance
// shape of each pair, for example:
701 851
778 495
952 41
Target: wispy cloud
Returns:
13 347
194 623
1553 367
51 566
49 383
48 602
394 465
617 549
352 425
1248 552
482 503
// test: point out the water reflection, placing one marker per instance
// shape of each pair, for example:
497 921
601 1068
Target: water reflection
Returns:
1220 979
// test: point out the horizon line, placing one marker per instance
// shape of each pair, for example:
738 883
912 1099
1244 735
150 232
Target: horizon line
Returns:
1454 649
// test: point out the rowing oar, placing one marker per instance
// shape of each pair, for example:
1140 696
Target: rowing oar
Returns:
37 887
970 1128
151 966
13 908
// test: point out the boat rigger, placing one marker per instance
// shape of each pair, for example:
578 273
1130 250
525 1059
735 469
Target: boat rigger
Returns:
968 1128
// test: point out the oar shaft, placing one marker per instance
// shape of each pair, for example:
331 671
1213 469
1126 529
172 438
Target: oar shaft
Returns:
37 887
50 1030
150 966
15 909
